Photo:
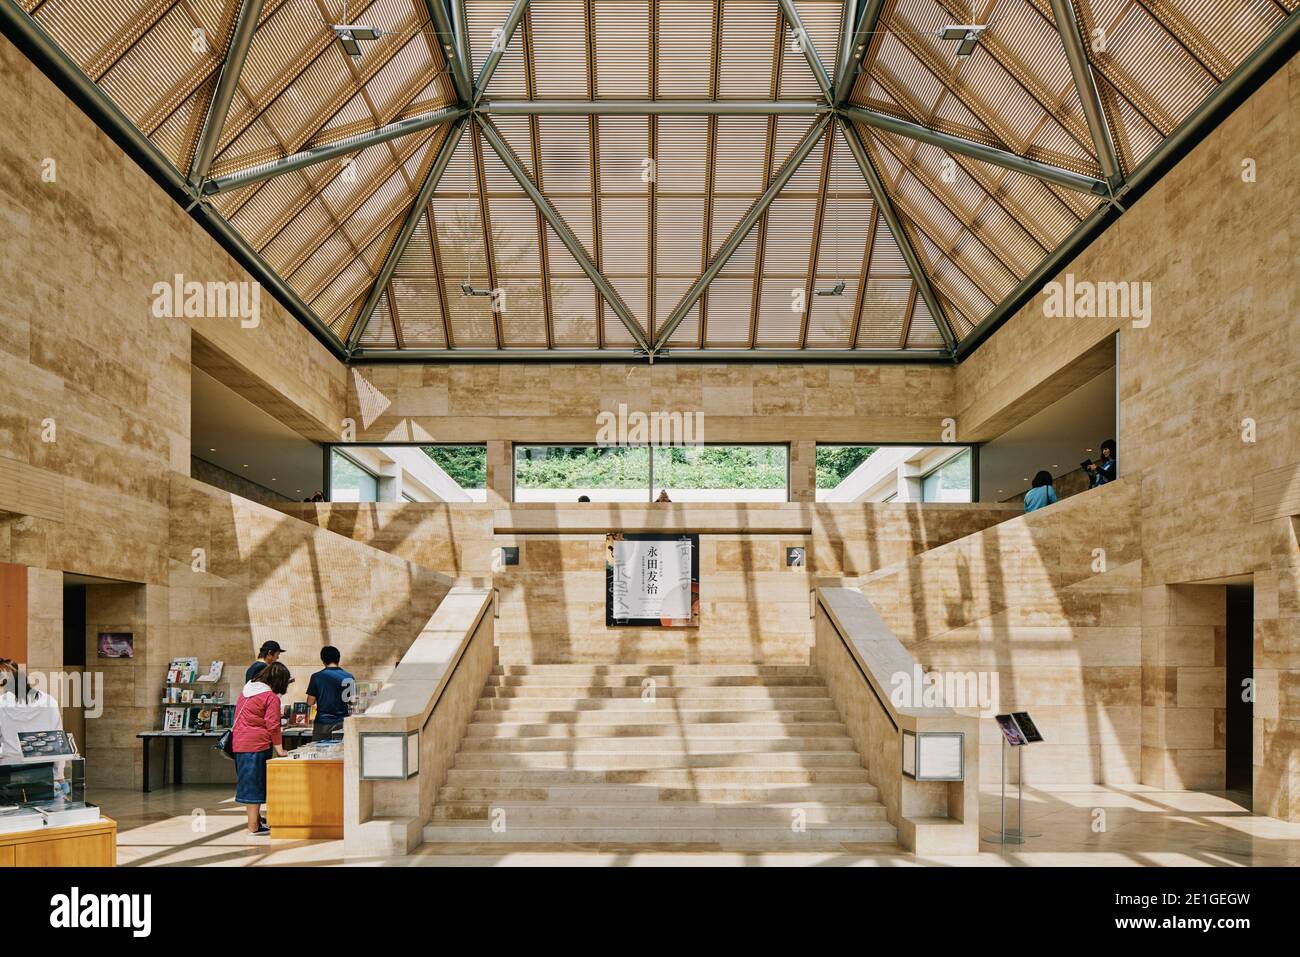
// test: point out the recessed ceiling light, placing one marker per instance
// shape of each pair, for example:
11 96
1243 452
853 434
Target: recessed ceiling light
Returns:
211 450
245 466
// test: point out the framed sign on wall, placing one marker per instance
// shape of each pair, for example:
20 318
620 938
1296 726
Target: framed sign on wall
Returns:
652 580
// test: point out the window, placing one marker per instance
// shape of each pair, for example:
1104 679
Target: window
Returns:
349 482
835 464
564 473
893 473
409 473
722 473
711 473
950 482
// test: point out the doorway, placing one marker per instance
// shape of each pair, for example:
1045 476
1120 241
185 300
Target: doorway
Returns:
1239 670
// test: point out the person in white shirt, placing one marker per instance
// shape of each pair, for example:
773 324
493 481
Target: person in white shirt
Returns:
22 708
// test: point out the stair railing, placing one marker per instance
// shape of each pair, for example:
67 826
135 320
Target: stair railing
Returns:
924 761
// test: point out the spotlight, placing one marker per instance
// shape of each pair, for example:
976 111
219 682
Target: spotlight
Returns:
835 290
467 290
349 33
967 33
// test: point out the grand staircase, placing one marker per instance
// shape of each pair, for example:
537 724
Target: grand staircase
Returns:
732 756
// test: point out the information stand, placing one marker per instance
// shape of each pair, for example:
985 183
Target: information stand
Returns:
1018 730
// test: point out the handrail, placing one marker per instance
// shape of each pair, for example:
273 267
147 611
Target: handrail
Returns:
452 665
854 658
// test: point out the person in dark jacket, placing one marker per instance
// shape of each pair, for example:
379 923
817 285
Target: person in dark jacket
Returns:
256 738
332 691
269 652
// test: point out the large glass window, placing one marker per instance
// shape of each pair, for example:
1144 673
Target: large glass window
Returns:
566 473
950 482
712 473
349 482
835 464
722 473
409 473
893 473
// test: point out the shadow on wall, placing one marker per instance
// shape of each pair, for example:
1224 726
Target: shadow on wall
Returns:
1050 603
242 573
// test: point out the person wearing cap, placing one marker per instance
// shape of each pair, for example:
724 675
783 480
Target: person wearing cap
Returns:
268 653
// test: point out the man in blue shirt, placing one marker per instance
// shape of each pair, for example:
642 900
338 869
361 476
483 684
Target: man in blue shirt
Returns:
331 690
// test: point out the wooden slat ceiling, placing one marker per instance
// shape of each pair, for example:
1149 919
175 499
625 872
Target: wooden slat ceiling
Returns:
652 198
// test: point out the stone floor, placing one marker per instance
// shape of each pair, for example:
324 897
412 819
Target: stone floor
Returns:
200 825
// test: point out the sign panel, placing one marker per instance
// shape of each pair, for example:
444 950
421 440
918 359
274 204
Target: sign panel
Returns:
652 580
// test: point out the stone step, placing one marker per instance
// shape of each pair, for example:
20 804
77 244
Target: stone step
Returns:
632 761
575 794
656 729
635 714
634 745
643 670
723 693
660 814
815 836
683 778
659 681
710 702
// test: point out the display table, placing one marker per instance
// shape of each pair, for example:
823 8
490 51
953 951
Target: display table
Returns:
77 845
292 738
304 798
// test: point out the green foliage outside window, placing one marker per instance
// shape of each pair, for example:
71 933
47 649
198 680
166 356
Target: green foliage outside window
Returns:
835 462
466 464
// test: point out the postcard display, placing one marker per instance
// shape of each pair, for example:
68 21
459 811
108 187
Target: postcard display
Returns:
46 787
192 702
1018 731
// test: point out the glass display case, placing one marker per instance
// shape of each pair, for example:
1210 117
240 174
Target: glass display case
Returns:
44 792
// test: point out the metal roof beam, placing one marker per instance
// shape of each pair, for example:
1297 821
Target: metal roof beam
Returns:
449 41
319 154
562 230
868 17
250 11
989 154
1086 84
445 152
652 108
806 45
667 355
848 21
886 206
499 44
741 230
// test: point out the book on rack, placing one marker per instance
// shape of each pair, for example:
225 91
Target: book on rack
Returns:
301 716
183 671
174 719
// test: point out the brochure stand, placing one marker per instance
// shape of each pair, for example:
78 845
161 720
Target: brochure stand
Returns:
1018 730
1015 836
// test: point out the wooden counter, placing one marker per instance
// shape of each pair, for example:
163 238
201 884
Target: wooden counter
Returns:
304 799
77 845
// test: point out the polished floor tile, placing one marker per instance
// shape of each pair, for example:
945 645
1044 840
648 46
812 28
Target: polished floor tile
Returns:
1097 826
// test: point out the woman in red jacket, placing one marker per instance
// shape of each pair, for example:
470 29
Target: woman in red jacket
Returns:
256 736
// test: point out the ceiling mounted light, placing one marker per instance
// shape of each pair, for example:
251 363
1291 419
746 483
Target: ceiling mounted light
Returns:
835 290
467 290
967 33
349 33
